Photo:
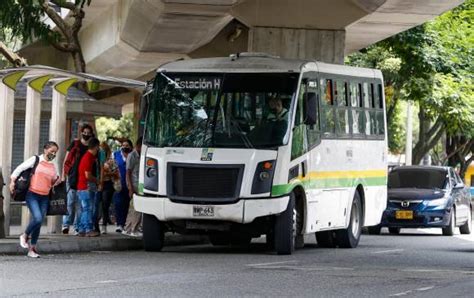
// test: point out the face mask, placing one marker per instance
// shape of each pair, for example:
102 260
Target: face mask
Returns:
126 150
86 137
50 156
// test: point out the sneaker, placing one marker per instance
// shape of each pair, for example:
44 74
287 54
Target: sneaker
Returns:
92 234
119 229
104 230
125 232
76 233
32 253
81 234
136 234
24 241
65 230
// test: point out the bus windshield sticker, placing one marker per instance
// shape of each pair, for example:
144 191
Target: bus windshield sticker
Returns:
207 154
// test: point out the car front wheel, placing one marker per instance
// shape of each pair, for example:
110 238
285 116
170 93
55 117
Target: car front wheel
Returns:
449 230
466 228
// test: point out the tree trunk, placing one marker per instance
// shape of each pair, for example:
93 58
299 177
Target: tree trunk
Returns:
78 58
457 150
428 138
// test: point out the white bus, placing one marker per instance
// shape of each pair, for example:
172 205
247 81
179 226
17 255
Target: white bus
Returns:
254 145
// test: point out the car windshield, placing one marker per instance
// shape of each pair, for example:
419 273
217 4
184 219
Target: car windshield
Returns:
232 110
418 178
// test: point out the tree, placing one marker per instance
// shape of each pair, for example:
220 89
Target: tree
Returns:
435 71
26 19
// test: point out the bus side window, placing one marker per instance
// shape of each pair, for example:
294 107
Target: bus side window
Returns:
313 131
366 90
342 110
358 120
328 123
378 101
299 144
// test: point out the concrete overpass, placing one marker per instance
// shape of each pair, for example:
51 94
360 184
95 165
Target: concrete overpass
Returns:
131 38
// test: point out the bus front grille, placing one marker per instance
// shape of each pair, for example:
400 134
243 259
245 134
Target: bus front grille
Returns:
197 183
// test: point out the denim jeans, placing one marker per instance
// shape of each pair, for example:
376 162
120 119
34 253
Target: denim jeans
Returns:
122 203
85 223
38 206
73 208
95 203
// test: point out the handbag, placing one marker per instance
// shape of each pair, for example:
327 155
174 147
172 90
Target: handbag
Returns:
57 204
22 182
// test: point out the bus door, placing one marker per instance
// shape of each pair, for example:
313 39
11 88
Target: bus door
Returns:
306 138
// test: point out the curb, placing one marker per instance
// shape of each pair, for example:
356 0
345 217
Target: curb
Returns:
53 244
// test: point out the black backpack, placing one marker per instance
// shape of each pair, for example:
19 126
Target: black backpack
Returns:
22 182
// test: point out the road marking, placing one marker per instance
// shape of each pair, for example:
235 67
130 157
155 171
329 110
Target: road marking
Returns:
439 271
106 281
401 294
425 288
387 251
411 291
274 263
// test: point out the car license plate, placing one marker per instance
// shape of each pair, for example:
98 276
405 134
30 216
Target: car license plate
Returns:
203 211
404 214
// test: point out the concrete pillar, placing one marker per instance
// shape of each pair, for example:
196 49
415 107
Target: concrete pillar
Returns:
6 137
322 45
32 128
57 133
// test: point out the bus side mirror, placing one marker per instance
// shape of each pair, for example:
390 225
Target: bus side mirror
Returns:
311 106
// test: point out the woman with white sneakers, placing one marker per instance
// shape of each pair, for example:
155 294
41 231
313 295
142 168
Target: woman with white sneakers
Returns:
45 176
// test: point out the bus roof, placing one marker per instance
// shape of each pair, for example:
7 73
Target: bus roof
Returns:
261 62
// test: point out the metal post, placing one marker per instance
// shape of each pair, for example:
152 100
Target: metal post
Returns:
409 134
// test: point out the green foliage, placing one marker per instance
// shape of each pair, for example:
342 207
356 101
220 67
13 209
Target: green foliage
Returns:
109 128
30 20
431 64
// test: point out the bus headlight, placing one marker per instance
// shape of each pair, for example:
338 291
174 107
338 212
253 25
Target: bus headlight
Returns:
151 174
263 177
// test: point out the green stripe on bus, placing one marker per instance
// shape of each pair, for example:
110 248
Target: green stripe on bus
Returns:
282 189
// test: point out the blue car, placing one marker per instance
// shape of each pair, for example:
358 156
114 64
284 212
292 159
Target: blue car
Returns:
426 197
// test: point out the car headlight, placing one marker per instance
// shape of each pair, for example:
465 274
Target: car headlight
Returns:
437 202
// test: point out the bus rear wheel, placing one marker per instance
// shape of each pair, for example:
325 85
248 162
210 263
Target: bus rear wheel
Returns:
349 238
153 233
285 230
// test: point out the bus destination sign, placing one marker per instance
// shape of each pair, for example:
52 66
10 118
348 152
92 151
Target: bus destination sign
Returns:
199 83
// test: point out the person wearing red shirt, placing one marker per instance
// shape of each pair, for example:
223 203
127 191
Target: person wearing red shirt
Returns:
86 176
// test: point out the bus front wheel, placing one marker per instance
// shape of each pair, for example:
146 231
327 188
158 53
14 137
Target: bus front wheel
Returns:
285 230
153 233
349 238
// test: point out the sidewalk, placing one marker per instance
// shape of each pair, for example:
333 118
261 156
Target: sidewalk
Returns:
112 241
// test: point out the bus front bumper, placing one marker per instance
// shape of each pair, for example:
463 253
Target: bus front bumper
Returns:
244 211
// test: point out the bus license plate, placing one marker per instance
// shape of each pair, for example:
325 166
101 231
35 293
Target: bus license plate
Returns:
203 211
404 214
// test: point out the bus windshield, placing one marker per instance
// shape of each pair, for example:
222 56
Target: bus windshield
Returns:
231 110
